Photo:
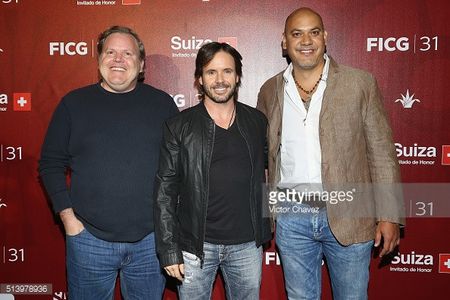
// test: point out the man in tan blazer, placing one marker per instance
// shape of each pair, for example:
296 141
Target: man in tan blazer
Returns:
329 135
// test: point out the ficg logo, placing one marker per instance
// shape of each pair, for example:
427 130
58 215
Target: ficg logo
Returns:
10 1
179 99
186 100
389 44
69 48
271 258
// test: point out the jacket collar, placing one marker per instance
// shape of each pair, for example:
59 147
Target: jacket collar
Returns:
204 111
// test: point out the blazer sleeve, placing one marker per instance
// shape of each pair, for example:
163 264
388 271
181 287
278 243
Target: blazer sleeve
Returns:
382 159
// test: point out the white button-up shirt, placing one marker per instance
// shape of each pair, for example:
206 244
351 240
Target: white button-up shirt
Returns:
300 145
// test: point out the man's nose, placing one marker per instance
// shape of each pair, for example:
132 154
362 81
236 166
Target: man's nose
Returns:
306 39
219 77
118 57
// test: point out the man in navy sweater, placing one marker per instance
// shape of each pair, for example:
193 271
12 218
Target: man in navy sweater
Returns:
108 136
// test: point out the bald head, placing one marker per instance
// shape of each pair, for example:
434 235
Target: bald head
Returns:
300 12
304 40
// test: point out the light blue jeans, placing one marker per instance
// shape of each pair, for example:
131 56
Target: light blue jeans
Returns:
94 264
302 240
241 267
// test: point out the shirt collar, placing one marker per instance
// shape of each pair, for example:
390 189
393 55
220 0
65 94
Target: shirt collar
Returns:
287 75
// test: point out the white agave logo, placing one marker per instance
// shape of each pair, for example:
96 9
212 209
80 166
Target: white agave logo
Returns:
407 101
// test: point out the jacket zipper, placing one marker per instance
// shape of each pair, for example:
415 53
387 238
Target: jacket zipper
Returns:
205 208
252 204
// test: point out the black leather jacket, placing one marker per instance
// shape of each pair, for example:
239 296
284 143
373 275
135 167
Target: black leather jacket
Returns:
182 182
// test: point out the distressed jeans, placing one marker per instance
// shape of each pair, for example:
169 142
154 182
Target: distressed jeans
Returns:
241 267
302 240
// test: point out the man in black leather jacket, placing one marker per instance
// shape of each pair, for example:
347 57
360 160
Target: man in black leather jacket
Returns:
209 202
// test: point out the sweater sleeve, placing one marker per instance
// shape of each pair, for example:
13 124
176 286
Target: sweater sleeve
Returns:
55 158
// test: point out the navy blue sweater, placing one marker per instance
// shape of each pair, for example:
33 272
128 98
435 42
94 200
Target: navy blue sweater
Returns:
110 143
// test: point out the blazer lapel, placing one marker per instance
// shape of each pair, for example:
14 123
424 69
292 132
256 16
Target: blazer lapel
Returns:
330 89
276 110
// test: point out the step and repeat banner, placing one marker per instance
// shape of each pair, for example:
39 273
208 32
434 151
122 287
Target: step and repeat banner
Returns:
47 48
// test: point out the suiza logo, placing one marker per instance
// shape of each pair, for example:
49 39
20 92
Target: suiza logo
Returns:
412 258
444 262
407 101
446 156
22 101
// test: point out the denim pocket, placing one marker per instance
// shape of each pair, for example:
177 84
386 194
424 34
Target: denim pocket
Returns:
76 235
189 256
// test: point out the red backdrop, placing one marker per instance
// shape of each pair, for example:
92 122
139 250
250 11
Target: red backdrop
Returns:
47 48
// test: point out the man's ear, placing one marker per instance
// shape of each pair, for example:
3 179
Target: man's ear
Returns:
283 41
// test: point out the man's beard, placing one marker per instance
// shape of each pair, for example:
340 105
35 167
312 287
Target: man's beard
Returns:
223 98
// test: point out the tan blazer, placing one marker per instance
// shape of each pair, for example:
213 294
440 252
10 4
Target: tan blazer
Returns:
357 149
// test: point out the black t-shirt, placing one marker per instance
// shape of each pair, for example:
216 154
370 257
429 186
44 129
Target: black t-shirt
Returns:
228 220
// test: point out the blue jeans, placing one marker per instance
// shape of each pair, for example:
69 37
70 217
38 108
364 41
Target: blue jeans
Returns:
302 240
241 267
93 265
